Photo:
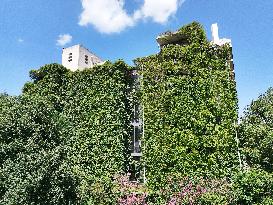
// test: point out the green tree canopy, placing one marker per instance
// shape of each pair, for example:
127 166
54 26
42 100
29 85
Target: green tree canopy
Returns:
256 132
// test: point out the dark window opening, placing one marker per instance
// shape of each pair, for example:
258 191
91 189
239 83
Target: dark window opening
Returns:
70 57
86 59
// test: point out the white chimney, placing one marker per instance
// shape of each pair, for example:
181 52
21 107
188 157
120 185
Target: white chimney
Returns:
214 32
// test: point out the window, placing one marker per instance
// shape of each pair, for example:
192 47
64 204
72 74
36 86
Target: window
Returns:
86 59
70 57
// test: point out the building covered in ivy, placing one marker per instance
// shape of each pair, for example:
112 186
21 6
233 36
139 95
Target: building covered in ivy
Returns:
188 102
183 106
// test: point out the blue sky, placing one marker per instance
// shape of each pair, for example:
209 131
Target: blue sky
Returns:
127 29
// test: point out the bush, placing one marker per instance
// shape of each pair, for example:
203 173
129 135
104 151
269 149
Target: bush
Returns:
254 186
177 190
213 199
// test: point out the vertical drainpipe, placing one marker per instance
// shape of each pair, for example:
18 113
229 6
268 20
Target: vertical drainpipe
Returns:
143 134
144 168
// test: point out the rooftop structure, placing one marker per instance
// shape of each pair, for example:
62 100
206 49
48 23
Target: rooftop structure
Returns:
171 38
215 36
78 57
179 38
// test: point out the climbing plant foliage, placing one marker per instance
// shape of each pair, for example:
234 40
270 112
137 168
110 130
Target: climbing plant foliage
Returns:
189 101
66 136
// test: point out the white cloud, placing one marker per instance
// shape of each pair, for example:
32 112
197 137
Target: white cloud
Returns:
158 10
110 16
64 39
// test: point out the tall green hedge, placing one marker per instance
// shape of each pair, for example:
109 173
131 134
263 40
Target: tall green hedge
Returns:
66 136
189 101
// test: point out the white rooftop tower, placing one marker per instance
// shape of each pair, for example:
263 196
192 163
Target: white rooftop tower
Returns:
214 32
77 58
215 36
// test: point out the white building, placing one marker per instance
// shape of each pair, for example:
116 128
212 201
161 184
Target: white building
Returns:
215 36
77 58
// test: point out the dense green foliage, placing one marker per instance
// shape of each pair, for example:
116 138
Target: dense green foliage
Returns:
66 139
256 146
66 136
189 102
256 134
254 186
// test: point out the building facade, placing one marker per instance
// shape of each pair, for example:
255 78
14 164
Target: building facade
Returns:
189 106
160 125
78 57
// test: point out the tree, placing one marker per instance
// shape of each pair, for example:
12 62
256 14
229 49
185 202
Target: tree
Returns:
256 132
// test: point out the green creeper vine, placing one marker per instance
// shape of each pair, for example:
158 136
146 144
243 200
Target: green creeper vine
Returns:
67 137
190 106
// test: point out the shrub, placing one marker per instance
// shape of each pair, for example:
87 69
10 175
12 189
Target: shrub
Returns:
177 190
254 186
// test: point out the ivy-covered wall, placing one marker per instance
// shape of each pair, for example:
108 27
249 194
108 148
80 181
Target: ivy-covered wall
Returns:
66 136
188 96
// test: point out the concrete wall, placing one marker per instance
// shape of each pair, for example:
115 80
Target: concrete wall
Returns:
81 58
87 59
72 65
